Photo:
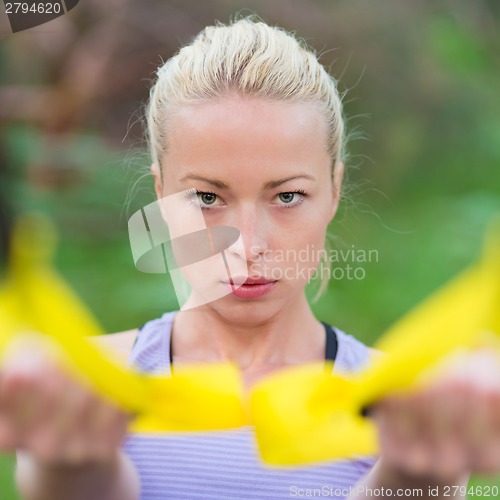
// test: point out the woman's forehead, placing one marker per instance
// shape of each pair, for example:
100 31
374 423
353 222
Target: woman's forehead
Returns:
248 109
246 133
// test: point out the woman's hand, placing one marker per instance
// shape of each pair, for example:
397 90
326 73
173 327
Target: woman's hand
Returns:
449 428
45 411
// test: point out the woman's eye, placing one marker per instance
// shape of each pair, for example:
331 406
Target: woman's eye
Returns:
291 198
207 198
286 197
203 199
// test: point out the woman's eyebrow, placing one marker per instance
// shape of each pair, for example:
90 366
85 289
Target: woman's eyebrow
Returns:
214 182
268 185
278 182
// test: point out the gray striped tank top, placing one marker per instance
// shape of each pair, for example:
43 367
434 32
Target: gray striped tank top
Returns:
222 465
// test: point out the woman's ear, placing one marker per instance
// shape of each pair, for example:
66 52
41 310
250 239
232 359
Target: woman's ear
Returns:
155 171
338 174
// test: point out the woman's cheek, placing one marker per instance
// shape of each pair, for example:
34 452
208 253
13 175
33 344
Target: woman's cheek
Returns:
301 258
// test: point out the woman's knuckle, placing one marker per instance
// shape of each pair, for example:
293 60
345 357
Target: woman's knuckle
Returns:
82 401
15 383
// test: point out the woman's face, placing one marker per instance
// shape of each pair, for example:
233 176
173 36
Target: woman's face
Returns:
263 167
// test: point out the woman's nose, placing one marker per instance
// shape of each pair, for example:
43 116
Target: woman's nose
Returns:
253 241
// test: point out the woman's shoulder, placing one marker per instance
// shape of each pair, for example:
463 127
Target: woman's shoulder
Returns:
353 355
119 343
146 348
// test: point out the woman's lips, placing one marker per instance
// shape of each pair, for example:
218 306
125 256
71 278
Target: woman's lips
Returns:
251 288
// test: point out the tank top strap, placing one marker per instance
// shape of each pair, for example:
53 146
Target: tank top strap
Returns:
331 342
150 352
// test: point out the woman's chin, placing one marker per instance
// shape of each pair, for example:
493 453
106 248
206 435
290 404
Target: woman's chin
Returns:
245 311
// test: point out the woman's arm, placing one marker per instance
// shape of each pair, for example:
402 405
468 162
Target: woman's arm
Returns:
68 438
115 479
384 477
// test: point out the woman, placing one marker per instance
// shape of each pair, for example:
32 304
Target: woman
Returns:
247 118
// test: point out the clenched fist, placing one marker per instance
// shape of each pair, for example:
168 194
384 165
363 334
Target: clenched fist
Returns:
47 412
450 427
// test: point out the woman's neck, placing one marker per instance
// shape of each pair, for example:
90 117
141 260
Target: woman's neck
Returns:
291 336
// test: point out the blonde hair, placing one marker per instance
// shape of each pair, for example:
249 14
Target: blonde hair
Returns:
250 58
